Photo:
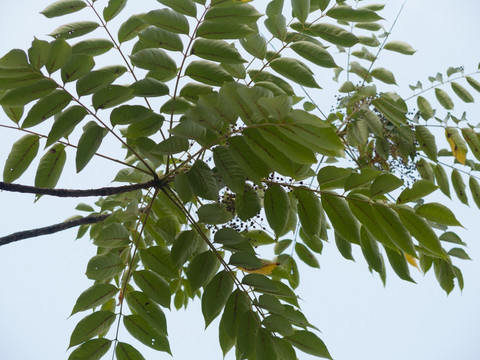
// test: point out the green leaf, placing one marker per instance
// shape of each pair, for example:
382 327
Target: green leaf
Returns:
186 7
216 50
171 145
130 28
77 66
332 177
475 190
141 330
113 8
154 286
306 255
400 47
73 30
91 350
314 53
399 264
371 251
94 296
231 173
125 351
216 295
25 94
421 229
461 92
425 108
113 235
388 219
14 113
50 167
142 305
472 140
94 81
247 203
385 183
438 213
253 166
214 214
149 87
444 99
235 308
158 259
426 141
201 269
168 19
301 9
46 107
341 217
208 73
60 51
160 38
334 34
38 53
103 267
110 96
459 186
20 157
444 274
184 247
310 211
129 114
309 343
255 45
90 326
202 181
62 7
89 142
277 207
442 179
65 123
92 47
247 334
384 75
223 30
347 13
294 70
459 253
419 189
237 14
473 83
154 59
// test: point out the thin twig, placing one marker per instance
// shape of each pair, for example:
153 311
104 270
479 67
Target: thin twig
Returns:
51 229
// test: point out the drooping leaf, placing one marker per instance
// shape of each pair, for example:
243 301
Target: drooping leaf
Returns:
461 92
399 264
46 107
154 286
201 269
216 295
294 70
90 326
74 29
247 203
425 108
426 141
142 305
91 350
202 181
438 213
309 343
444 99
310 211
472 140
50 167
20 157
62 7
125 351
65 123
475 190
306 255
277 208
140 329
341 217
459 186
94 296
89 142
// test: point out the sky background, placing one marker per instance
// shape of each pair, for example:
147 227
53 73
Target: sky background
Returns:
358 317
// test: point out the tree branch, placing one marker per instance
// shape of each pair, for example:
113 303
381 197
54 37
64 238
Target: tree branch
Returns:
80 193
21 235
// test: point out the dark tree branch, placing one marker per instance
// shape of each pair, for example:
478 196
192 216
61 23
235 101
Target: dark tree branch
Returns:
21 235
80 193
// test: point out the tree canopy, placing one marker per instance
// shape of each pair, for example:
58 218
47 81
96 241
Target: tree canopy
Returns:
230 159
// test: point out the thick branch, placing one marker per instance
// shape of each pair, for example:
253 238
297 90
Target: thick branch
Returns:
79 193
21 235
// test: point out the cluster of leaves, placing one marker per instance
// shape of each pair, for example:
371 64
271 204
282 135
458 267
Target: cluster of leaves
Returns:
243 162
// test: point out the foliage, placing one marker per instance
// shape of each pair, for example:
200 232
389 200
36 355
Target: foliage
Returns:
235 161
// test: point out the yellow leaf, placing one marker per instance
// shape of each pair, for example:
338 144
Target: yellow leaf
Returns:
263 270
453 138
412 261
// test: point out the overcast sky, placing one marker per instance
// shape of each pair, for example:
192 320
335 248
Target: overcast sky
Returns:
359 319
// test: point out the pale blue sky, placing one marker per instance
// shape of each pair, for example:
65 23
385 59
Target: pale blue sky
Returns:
359 319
